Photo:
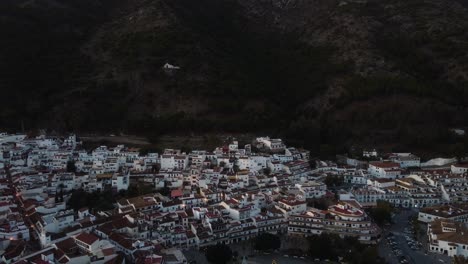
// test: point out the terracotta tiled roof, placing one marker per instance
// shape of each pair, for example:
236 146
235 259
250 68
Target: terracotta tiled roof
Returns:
87 238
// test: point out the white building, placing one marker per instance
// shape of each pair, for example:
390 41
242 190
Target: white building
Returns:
369 153
448 237
243 162
381 183
258 162
70 141
358 177
275 166
312 189
406 160
274 144
459 168
174 162
293 206
384 169
120 181
443 212
343 219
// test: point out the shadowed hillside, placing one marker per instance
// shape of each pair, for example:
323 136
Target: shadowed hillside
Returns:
324 74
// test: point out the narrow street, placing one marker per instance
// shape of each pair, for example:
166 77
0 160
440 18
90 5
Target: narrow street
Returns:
421 255
32 245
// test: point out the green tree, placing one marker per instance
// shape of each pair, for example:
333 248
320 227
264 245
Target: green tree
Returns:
218 254
322 246
101 200
321 203
95 200
77 199
334 180
267 241
139 189
60 196
333 247
132 191
71 167
382 213
166 191
460 151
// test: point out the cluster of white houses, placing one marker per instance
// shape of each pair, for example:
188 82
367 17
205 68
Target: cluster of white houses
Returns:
415 187
446 228
227 195
437 188
439 191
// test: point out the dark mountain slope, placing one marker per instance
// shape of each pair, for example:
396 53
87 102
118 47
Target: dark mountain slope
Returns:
40 54
408 80
318 72
236 74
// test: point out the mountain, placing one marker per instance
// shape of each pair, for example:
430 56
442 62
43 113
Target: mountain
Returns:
323 73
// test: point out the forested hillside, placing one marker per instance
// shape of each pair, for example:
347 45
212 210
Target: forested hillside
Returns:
324 74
